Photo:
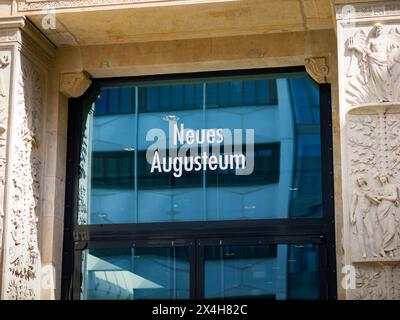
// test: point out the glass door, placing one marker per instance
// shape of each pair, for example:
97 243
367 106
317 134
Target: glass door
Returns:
142 270
244 268
203 269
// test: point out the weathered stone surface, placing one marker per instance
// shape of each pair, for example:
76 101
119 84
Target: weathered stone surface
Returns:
369 67
74 84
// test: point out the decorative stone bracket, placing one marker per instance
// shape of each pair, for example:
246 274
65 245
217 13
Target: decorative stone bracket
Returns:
318 69
74 84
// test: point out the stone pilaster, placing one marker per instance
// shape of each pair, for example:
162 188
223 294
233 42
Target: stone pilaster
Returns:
369 97
8 47
23 80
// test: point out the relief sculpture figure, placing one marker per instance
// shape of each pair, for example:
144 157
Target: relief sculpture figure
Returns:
4 62
360 215
386 215
377 65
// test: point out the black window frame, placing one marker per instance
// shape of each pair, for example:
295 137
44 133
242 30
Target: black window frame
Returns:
77 238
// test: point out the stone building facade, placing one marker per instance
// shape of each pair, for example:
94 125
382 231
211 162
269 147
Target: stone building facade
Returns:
51 51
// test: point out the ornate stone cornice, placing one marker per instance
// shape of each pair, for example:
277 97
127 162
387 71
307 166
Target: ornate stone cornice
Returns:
36 45
74 84
318 68
12 23
367 10
35 5
9 29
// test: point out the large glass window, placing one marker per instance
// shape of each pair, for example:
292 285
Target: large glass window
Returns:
239 204
273 121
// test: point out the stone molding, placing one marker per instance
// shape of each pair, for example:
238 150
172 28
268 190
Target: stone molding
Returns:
12 23
74 84
36 45
10 29
38 5
367 10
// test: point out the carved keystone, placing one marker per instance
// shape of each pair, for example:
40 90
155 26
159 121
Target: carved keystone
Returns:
74 84
318 69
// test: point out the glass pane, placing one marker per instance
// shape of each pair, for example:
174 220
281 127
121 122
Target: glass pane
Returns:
107 173
230 196
270 125
162 196
278 272
134 274
286 177
306 198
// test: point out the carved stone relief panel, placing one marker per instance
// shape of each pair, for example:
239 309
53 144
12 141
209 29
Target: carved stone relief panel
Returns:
373 139
369 96
370 282
376 282
23 252
371 71
372 213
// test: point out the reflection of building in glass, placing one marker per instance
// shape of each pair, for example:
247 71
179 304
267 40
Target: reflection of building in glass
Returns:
232 271
287 152
285 183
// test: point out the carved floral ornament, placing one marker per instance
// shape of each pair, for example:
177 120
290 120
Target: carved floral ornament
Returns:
373 71
23 251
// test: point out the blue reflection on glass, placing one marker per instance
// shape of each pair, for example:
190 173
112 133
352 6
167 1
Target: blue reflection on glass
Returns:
274 272
116 185
136 274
